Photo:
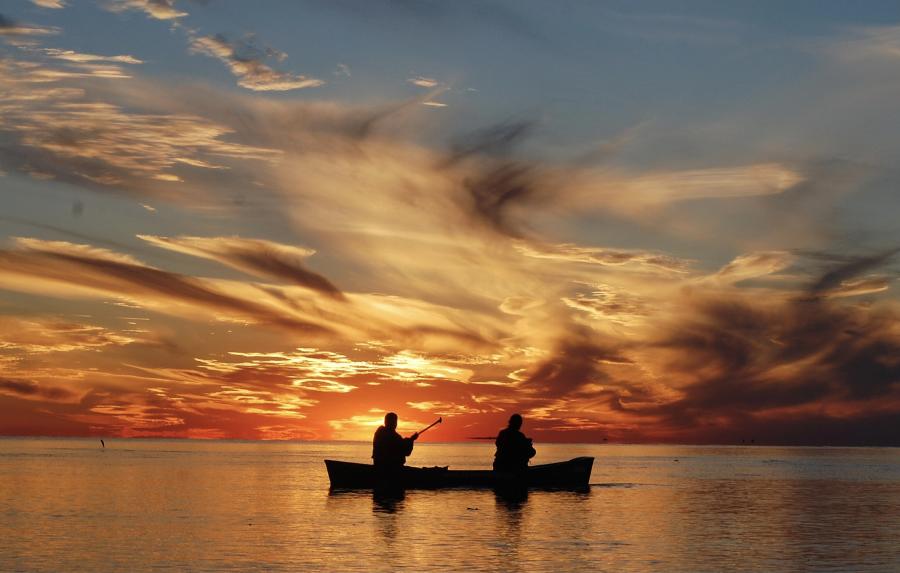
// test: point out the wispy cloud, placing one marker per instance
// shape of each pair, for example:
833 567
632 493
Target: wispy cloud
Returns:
72 56
599 256
31 390
722 182
423 82
61 133
49 3
60 266
255 256
158 9
843 273
35 334
9 28
753 265
246 61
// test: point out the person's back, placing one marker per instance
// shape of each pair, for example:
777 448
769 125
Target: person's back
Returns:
389 449
513 448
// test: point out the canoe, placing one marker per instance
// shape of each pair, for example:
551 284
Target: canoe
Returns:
574 473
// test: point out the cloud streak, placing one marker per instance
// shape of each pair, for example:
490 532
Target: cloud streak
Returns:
59 264
246 62
10 28
258 257
31 390
157 9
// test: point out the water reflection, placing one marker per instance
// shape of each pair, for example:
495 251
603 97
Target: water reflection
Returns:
186 506
510 507
511 498
388 502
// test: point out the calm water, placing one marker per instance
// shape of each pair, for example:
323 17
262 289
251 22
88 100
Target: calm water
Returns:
66 505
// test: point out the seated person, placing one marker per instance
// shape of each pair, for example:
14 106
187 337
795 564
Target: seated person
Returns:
513 448
389 449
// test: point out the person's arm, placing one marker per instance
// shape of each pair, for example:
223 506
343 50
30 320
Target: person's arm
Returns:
408 443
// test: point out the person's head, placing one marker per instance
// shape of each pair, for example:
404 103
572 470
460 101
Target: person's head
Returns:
390 421
515 421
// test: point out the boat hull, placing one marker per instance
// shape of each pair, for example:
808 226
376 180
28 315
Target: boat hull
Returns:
571 474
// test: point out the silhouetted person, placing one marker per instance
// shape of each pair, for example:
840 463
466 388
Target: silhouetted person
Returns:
513 448
389 449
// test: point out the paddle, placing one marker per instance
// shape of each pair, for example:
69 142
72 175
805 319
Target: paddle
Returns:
433 424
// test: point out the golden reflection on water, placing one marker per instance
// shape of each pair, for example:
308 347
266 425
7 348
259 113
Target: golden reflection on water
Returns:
67 505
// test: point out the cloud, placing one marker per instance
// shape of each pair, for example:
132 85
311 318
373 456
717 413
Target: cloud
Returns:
604 303
320 385
465 268
496 184
31 390
10 28
328 371
718 182
498 140
58 266
575 363
245 60
54 335
754 265
860 287
57 131
157 9
423 82
849 269
72 56
444 408
737 360
259 257
49 3
566 252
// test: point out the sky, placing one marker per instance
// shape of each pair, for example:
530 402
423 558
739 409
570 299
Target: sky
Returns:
628 221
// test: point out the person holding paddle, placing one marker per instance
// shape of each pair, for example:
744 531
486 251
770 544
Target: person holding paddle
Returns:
513 448
389 448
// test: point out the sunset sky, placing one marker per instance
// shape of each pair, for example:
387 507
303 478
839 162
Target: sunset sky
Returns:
633 221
